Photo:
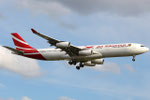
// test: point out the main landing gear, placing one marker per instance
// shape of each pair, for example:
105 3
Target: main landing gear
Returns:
81 65
133 58
72 62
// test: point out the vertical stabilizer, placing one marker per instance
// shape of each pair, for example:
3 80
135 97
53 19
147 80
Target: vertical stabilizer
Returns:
20 43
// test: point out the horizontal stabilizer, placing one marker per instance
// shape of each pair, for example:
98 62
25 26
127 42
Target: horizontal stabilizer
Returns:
14 51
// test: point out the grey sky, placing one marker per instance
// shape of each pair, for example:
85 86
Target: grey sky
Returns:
120 7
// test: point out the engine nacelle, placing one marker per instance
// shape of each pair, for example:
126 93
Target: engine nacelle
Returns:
89 63
85 52
63 45
98 61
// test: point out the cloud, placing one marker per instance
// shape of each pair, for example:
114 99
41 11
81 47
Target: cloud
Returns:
65 98
108 67
86 7
20 65
26 98
129 68
52 8
113 67
123 7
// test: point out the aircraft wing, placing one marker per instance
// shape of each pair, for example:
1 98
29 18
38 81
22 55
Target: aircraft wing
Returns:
64 46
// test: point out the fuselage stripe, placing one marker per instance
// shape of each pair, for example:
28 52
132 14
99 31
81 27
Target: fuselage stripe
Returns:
31 53
24 48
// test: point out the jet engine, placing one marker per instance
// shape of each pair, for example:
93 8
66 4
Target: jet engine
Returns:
89 63
63 45
85 52
98 61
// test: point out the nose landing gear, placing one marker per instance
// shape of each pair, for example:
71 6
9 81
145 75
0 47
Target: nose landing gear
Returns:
133 58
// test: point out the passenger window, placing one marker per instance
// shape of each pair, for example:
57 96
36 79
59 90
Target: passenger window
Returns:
142 46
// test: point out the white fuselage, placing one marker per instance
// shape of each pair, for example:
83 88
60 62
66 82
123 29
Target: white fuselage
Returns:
81 55
76 55
100 51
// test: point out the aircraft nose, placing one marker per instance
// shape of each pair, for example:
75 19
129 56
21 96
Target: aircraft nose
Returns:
146 49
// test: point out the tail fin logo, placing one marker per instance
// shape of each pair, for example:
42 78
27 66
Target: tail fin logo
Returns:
19 40
25 48
20 43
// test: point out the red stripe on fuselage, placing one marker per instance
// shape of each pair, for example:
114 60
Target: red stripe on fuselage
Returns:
88 47
28 51
35 56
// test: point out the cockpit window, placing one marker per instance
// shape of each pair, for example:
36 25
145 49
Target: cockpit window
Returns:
142 46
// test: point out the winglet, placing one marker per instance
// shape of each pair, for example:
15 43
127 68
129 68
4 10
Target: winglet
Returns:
33 30
39 34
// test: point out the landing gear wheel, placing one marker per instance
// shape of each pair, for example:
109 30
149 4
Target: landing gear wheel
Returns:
78 67
81 64
133 58
72 62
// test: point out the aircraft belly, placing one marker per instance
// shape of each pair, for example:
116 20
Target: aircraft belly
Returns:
106 52
55 55
63 56
87 58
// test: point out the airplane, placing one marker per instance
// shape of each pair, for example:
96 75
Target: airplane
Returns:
75 55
